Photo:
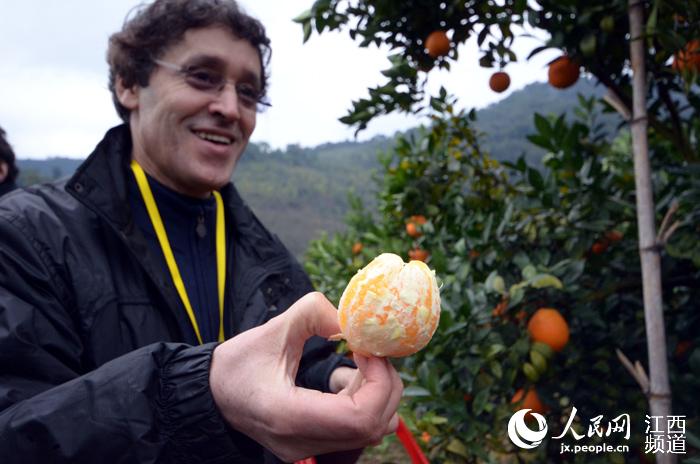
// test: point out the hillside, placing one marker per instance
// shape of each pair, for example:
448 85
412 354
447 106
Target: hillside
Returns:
301 192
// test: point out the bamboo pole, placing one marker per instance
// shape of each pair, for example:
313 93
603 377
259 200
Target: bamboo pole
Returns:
659 394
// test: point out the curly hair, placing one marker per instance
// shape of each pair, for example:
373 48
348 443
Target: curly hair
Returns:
8 156
154 28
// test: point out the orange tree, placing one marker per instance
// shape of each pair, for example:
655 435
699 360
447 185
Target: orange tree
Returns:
506 240
594 33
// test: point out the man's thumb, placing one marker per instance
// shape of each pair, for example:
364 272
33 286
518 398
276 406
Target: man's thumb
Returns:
311 315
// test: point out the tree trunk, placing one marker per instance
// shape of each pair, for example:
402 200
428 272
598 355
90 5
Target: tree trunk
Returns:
659 388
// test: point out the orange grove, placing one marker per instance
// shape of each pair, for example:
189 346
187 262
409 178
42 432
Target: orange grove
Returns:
548 326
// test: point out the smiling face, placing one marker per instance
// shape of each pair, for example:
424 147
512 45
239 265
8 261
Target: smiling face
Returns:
189 139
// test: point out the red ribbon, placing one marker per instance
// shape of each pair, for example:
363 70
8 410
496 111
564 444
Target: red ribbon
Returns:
405 437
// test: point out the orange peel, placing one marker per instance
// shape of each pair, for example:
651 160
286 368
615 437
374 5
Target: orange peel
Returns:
389 308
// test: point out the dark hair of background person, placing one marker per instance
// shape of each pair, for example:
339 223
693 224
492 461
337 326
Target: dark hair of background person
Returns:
8 156
146 36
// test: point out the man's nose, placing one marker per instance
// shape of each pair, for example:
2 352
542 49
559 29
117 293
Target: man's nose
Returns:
227 103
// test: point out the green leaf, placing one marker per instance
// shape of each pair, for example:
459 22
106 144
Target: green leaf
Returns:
653 17
493 350
499 284
521 260
542 125
496 369
529 272
413 391
303 17
506 219
544 281
535 179
490 279
530 372
437 420
542 348
487 228
457 447
480 401
538 361
460 246
517 294
307 31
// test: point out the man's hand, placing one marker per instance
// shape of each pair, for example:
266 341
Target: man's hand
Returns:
252 382
341 378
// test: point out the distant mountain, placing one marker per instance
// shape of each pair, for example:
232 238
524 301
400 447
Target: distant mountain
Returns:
34 171
301 192
506 124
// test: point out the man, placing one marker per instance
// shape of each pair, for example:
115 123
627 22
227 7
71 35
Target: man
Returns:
119 286
8 169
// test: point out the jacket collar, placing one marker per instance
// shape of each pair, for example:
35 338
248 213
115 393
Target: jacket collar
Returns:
100 183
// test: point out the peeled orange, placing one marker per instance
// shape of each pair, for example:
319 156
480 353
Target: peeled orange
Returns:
390 308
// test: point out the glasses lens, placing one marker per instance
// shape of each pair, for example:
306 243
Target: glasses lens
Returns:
204 79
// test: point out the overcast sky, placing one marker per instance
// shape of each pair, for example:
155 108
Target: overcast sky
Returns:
53 77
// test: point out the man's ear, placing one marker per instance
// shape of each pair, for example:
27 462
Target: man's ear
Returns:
4 171
127 96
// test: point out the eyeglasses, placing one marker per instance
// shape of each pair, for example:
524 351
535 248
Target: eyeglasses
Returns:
212 81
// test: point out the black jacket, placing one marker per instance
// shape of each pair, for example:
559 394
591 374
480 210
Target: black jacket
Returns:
93 364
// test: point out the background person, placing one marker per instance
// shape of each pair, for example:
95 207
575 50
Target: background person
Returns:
8 168
145 313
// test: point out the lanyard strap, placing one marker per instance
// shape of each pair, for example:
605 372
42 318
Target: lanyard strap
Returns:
157 222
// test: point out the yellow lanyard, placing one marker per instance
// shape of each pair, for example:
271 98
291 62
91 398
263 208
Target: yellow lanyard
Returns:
157 222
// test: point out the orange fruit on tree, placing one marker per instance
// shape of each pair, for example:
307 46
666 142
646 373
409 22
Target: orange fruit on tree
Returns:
528 400
437 44
412 230
599 247
389 308
418 219
548 326
563 72
356 248
682 347
412 224
418 254
499 81
500 308
614 235
688 59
